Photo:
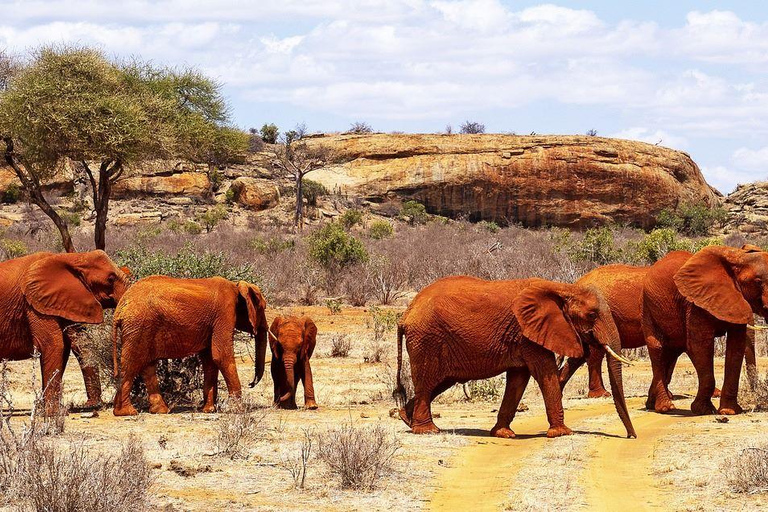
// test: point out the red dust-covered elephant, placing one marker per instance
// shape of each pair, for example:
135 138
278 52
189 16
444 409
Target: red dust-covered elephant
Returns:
43 296
167 318
463 328
292 341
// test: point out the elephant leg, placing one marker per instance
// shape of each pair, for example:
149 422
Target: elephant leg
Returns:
734 355
569 367
541 363
658 398
671 357
90 375
701 351
750 360
122 404
53 352
223 353
277 370
517 381
594 365
210 382
309 389
156 403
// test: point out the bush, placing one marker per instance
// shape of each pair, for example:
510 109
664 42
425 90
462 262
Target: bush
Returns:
211 217
484 390
597 245
380 229
360 127
297 462
71 218
491 227
471 127
189 226
692 220
359 457
13 248
654 246
747 472
333 247
269 133
12 194
413 212
239 425
230 196
311 191
184 264
272 245
351 218
340 346
216 178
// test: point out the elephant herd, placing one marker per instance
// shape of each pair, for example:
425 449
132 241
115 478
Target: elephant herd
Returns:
456 329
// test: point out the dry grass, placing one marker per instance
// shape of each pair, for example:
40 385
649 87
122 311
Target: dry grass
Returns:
747 472
240 425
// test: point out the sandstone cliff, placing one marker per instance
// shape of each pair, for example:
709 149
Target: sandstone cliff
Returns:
574 181
747 208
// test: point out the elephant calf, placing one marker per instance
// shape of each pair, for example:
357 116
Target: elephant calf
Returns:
292 341
463 328
166 318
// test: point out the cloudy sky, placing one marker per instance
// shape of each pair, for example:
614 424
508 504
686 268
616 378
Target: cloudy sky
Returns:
691 75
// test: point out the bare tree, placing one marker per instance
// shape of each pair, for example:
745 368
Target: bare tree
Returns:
294 159
472 127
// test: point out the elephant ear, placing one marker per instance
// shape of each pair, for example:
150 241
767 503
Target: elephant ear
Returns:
539 311
54 286
273 330
751 248
310 337
707 279
255 303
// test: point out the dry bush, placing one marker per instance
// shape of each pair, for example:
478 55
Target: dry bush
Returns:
340 345
240 424
296 460
359 457
747 472
756 397
488 390
376 351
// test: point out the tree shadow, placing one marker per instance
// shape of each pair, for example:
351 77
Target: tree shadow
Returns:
476 432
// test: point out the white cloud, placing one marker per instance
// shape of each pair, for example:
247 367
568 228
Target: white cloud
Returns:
751 159
657 137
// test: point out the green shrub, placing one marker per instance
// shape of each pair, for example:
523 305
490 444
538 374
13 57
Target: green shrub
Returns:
230 195
413 212
13 248
189 226
692 220
217 178
184 264
211 217
269 133
312 190
12 194
597 245
331 246
380 229
484 390
491 227
334 306
71 218
273 245
351 218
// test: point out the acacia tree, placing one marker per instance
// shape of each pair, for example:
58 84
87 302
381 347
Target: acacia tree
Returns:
294 159
73 104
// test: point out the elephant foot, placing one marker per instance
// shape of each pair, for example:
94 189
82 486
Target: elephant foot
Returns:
286 405
729 409
702 407
663 404
128 410
208 408
94 403
310 404
404 416
158 409
502 432
598 393
558 431
716 393
429 428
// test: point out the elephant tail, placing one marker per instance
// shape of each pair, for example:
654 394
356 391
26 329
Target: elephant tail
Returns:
116 328
399 394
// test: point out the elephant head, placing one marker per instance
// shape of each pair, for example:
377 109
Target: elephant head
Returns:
251 318
74 286
290 340
566 319
730 284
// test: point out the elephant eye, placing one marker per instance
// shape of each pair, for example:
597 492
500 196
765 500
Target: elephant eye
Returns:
111 278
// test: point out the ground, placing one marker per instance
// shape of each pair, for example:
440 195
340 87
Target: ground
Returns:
675 464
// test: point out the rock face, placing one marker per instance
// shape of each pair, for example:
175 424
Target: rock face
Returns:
256 194
189 184
748 208
573 181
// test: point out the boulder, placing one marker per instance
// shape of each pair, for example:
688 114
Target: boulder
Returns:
189 184
570 181
139 219
747 208
254 193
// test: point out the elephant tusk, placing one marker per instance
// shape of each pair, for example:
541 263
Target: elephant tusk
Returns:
757 327
617 356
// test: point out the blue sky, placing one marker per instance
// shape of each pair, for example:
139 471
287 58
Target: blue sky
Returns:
683 74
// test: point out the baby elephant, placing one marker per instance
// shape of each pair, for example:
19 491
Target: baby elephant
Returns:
292 341
166 318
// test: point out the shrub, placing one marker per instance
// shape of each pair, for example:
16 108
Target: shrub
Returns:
296 462
272 245
239 425
269 133
334 306
359 457
597 245
380 229
692 220
382 321
12 194
340 346
747 472
360 127
71 218
230 195
413 212
471 127
484 390
333 247
216 178
375 352
13 248
189 226
351 218
655 245
591 132
491 227
186 263
312 191
211 217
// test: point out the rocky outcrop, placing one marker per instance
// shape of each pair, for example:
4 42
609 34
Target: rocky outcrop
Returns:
256 194
747 208
188 184
573 181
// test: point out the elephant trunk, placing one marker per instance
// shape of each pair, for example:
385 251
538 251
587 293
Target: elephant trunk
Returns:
259 349
290 377
607 334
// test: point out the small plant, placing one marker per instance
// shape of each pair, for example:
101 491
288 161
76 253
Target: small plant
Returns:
312 191
13 248
491 226
359 457
383 321
375 352
239 426
351 218
296 462
655 245
216 178
747 472
340 346
269 133
485 390
272 245
692 220
230 195
211 217
12 194
189 226
334 306
332 247
71 218
591 132
471 127
360 127
597 246
413 212
380 229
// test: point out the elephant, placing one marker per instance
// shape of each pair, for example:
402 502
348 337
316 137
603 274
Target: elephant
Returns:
463 328
292 341
44 296
688 300
162 317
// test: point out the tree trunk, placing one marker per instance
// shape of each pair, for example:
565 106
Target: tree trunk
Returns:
107 175
298 218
